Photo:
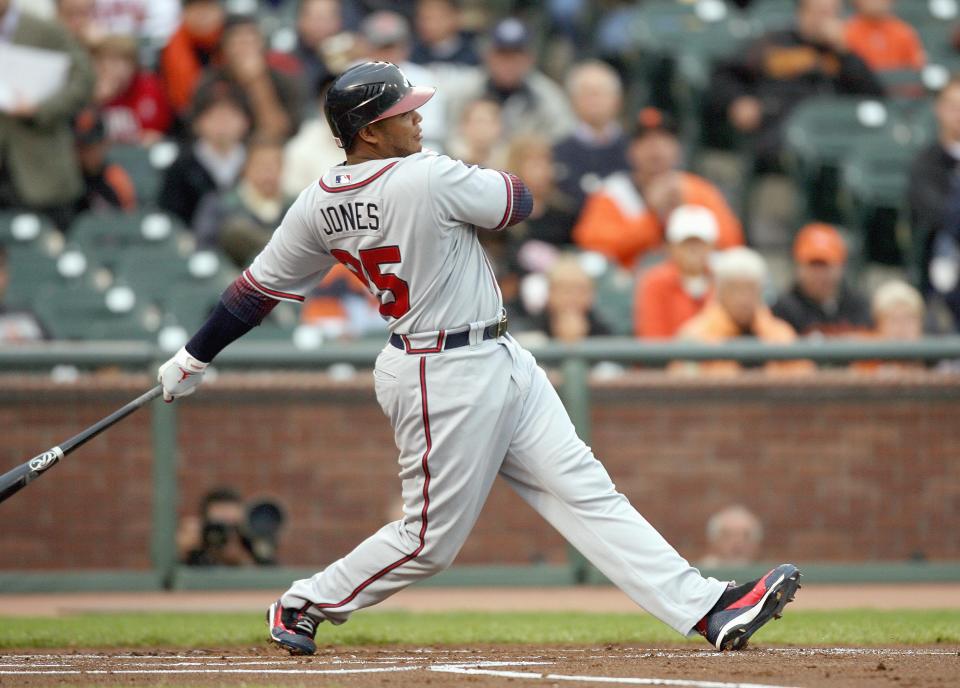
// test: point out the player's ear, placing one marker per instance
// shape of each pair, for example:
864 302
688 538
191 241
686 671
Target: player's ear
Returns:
368 135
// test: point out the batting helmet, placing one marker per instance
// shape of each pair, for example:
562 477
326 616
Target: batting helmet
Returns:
368 93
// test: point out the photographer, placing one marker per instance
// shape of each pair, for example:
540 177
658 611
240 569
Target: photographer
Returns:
229 532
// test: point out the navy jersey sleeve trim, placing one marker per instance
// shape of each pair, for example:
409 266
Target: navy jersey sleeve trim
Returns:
241 308
519 201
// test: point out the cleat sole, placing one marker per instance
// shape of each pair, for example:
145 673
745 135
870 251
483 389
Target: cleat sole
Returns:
737 638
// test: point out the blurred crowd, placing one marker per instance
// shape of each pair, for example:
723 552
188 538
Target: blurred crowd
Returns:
669 197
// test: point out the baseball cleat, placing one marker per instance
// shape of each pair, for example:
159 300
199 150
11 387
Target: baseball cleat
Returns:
292 629
741 611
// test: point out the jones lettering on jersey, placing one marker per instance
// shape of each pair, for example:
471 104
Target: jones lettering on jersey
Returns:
355 216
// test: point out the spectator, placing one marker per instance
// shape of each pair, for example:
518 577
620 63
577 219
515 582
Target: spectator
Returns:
820 302
898 311
881 39
624 218
568 315
440 37
38 166
595 149
270 96
229 532
151 20
312 152
133 101
193 46
79 19
734 535
385 35
214 161
934 201
16 325
478 139
107 185
737 310
317 21
757 90
531 102
674 291
241 220
551 220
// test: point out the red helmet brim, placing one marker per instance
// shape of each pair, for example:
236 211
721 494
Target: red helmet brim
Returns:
415 98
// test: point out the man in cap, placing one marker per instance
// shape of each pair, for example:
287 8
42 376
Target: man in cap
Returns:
820 301
625 217
674 291
530 100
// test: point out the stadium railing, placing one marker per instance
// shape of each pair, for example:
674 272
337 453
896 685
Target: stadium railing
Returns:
573 361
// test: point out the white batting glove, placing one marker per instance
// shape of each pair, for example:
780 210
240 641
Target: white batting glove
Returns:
181 375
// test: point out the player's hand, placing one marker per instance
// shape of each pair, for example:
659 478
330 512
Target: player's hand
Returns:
181 375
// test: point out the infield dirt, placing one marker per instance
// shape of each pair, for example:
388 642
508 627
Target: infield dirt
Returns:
494 666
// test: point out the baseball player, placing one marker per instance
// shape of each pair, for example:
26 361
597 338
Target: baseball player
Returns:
466 402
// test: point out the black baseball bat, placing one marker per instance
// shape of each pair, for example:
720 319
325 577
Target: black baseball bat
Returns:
15 480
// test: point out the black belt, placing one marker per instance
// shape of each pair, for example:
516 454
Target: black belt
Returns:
450 341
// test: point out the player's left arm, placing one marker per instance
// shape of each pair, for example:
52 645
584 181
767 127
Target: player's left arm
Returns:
292 262
490 199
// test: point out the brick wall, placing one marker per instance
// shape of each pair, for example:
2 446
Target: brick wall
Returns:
837 467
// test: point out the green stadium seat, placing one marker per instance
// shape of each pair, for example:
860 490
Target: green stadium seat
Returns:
613 302
771 15
136 161
76 311
922 13
692 37
107 236
30 269
19 227
924 125
875 179
190 303
819 134
152 278
903 84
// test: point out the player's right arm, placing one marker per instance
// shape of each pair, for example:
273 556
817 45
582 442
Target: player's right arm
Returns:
288 267
485 198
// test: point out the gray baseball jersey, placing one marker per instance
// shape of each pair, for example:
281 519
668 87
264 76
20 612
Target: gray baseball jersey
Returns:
407 228
461 415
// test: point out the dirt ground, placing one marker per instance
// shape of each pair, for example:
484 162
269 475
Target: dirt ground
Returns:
493 666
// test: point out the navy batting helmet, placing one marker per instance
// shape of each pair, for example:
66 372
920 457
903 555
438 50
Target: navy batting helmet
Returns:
368 93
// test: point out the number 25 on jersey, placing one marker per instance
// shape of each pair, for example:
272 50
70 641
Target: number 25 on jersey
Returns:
367 270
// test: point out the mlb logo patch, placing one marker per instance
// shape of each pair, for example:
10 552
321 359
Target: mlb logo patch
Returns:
341 178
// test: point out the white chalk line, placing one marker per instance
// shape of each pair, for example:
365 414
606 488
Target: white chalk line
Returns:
371 670
622 680
368 670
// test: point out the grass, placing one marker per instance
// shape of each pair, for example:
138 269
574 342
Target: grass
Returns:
845 628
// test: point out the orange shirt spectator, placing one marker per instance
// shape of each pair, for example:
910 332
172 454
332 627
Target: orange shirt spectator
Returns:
881 39
191 48
671 293
624 218
737 310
